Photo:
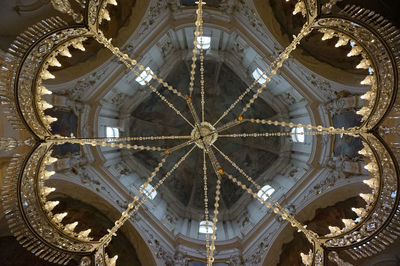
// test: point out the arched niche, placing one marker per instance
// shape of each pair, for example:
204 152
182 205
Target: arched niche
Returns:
343 191
93 200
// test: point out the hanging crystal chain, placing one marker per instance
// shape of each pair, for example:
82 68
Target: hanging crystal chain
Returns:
131 64
218 171
273 68
105 240
276 207
353 131
197 33
206 214
202 92
133 207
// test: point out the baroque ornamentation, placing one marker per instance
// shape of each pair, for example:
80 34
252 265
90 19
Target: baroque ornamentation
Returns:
29 213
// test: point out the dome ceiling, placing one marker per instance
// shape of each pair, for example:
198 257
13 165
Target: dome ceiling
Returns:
301 167
213 3
230 64
152 118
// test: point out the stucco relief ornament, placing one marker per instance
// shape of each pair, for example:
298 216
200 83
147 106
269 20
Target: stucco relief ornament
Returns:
228 6
32 56
180 259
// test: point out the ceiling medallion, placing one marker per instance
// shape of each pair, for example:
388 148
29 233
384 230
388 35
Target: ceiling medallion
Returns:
204 135
26 190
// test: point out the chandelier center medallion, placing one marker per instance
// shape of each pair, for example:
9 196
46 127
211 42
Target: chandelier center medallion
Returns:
204 134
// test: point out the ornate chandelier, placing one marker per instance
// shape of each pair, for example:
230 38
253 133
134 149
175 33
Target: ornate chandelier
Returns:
26 67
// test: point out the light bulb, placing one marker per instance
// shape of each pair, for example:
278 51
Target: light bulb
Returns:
367 197
356 50
369 80
43 90
45 74
78 45
50 119
71 227
106 15
45 105
84 234
328 34
65 52
364 64
49 205
52 61
342 41
48 174
47 190
372 183
59 217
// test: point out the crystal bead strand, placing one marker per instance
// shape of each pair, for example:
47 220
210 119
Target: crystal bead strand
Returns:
148 138
130 63
199 21
275 66
330 130
99 36
305 30
311 236
125 215
251 180
202 70
271 134
104 142
218 171
206 217
161 181
132 208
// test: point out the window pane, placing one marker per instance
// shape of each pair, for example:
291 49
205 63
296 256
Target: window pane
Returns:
206 40
257 73
264 191
203 229
144 77
148 191
298 135
115 132
112 132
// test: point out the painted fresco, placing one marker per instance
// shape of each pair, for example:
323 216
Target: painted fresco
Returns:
66 124
198 263
347 146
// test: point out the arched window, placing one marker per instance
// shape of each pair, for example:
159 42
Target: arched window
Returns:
264 191
144 77
257 73
148 191
205 40
298 134
112 132
205 228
